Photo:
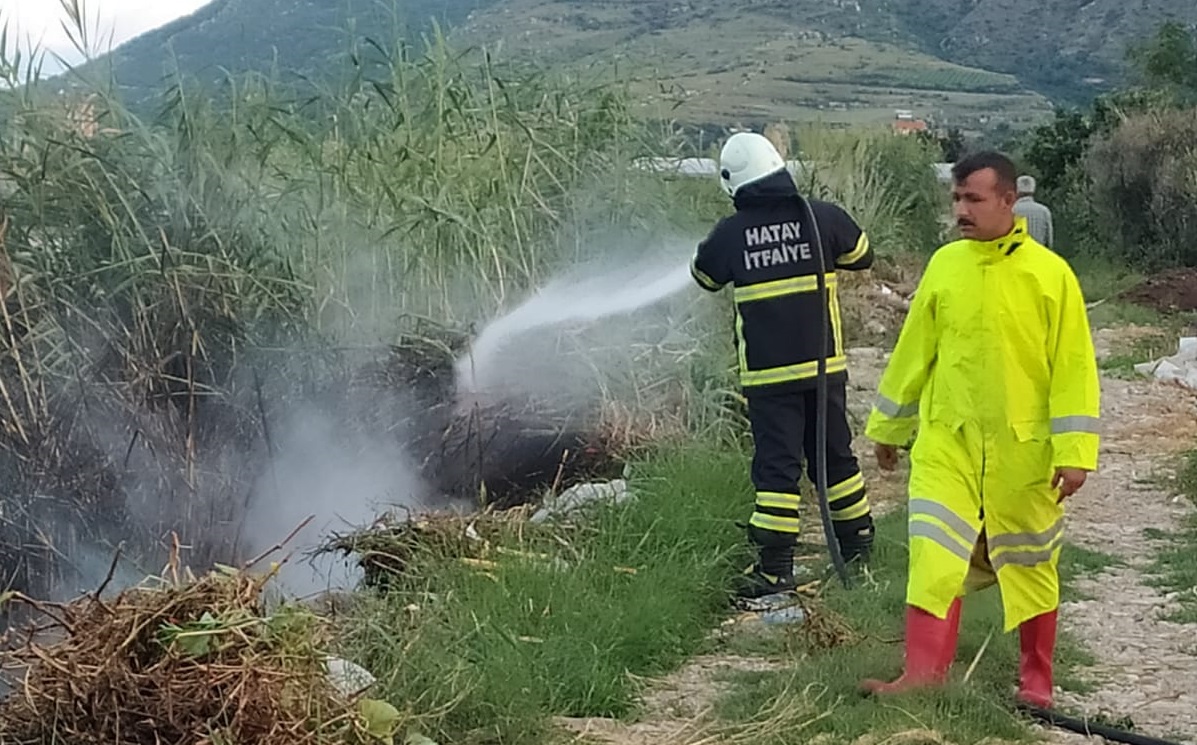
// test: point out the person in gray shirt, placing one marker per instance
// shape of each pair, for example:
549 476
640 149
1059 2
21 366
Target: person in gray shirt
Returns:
1039 217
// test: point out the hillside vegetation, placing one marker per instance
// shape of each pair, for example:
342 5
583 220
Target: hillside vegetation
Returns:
1120 174
707 62
288 40
1052 46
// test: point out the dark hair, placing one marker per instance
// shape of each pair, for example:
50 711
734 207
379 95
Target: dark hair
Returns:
1005 169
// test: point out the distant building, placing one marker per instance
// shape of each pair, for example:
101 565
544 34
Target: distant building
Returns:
909 126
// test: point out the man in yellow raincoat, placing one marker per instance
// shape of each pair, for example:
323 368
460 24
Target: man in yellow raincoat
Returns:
995 369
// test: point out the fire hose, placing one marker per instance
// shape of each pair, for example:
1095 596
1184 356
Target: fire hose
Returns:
1054 718
833 545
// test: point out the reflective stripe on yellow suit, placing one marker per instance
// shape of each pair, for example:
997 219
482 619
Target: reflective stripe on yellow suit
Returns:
1023 527
996 370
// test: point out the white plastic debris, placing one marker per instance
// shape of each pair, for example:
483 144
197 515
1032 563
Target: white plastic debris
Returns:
583 495
1179 368
347 677
794 614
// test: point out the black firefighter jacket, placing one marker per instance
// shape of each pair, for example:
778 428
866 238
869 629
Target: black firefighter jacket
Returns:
766 250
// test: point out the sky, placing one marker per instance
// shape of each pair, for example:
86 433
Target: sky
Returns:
110 22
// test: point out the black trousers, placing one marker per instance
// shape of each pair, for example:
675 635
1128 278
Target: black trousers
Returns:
783 431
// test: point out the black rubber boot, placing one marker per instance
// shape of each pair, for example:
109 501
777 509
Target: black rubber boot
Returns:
774 570
856 539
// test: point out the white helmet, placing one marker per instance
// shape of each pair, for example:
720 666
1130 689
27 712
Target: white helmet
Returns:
1026 184
747 158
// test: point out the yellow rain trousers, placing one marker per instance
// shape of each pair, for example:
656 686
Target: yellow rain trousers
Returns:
995 369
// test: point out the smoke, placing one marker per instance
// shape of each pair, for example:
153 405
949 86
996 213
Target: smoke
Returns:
92 567
338 482
231 482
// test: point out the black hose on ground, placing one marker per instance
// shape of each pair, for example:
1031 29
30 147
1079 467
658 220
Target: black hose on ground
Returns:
1054 718
833 545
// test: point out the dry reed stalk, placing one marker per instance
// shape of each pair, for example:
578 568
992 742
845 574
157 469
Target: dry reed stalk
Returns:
177 662
390 549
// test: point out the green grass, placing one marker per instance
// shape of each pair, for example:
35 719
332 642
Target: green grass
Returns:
1120 313
1102 281
1175 569
490 656
867 72
500 651
964 712
1121 363
873 64
1101 278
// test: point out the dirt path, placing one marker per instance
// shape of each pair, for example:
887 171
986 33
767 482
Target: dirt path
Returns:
1147 667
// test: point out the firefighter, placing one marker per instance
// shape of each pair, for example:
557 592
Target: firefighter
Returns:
766 250
995 370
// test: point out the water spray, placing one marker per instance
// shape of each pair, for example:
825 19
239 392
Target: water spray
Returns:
596 296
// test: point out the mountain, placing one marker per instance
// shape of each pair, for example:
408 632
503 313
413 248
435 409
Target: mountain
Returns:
702 61
970 62
1052 46
301 39
974 62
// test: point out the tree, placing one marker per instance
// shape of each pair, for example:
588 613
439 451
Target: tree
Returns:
1168 61
1119 175
1055 148
1142 188
951 145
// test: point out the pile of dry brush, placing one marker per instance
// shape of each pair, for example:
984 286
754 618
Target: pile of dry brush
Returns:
180 663
391 550
498 452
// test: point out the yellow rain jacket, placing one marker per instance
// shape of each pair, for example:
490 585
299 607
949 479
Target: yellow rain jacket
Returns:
995 369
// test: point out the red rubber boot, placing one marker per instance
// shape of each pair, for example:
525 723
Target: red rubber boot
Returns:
1037 639
951 637
930 649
